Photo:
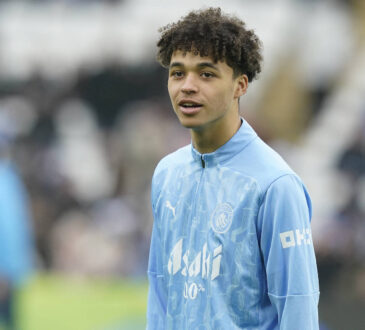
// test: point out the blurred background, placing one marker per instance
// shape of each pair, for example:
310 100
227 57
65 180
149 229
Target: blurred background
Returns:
85 117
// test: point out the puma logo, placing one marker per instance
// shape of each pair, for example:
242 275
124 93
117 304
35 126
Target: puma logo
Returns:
169 206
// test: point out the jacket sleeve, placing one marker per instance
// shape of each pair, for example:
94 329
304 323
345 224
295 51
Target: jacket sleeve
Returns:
157 296
288 254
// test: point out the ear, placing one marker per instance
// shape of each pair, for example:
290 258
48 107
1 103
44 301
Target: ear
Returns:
241 86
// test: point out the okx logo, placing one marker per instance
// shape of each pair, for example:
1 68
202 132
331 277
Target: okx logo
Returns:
293 238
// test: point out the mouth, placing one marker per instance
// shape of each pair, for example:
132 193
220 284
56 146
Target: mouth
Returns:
189 107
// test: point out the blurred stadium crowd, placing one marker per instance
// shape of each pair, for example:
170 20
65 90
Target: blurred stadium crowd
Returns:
85 116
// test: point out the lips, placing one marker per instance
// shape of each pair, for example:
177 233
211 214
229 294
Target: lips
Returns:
189 107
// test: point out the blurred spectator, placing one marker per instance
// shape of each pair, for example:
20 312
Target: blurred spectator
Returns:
352 160
15 237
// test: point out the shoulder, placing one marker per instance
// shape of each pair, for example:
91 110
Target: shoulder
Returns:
173 160
262 163
9 178
169 166
290 186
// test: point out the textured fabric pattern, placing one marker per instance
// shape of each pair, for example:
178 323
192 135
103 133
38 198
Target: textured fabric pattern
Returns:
231 244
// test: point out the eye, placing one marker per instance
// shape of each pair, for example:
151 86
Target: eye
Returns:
176 74
206 74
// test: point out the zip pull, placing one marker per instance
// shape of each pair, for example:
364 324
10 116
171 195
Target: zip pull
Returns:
203 162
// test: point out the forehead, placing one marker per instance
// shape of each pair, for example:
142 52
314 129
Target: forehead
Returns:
190 59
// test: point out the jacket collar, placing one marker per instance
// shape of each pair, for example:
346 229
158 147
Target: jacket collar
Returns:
234 145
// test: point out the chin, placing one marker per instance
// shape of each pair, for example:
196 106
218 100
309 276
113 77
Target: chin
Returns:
190 122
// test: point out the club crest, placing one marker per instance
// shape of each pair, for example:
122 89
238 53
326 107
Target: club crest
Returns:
221 219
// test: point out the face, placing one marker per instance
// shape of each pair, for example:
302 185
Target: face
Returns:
203 93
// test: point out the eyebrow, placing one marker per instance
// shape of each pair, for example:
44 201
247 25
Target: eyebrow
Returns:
199 65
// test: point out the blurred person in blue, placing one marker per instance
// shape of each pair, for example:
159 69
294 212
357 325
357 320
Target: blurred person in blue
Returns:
231 243
16 247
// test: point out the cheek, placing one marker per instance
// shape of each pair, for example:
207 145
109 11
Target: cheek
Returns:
172 91
223 98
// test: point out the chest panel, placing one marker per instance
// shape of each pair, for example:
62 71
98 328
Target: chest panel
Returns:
211 259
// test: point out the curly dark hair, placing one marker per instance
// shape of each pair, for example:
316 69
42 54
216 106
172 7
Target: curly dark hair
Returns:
209 32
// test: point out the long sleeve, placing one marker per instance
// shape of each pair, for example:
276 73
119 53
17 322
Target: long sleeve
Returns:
288 254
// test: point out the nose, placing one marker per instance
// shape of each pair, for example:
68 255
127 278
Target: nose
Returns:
189 85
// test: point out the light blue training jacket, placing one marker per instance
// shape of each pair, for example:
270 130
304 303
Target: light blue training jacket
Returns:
231 243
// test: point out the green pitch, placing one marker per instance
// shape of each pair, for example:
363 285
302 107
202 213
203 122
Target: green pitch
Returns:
59 303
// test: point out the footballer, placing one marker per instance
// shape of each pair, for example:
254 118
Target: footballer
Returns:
231 243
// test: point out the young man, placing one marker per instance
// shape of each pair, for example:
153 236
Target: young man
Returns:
231 244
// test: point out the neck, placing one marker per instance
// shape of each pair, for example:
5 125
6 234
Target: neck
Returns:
210 138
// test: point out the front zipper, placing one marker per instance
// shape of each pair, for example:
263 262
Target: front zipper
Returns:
196 195
203 161
193 219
